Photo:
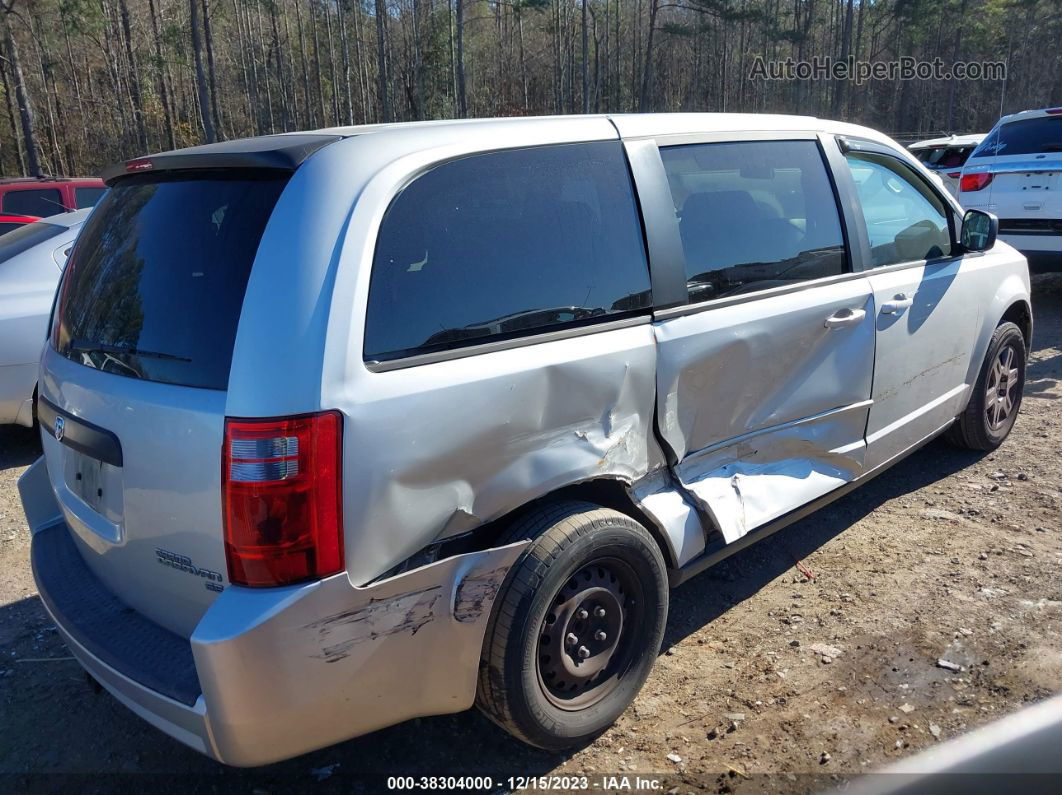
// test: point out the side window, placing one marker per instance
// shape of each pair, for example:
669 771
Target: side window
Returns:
753 215
87 197
906 221
505 244
41 203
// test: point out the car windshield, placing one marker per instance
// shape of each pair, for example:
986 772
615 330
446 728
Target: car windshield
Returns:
1028 136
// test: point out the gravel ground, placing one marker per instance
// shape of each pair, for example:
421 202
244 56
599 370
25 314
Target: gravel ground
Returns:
949 556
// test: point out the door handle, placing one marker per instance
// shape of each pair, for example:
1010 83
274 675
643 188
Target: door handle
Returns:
898 302
843 318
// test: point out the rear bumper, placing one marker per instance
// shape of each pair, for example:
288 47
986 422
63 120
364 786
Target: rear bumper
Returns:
279 671
1044 252
1032 241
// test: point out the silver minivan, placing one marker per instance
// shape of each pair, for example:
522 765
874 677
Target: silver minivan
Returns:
346 427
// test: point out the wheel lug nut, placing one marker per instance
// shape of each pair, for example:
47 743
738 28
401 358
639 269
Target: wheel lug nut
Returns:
582 613
599 612
572 639
600 635
583 652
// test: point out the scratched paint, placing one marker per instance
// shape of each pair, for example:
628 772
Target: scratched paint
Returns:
476 593
337 634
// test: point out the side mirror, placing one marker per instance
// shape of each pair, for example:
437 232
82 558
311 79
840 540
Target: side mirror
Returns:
979 230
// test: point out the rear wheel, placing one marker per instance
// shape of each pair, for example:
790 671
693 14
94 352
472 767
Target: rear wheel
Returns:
577 628
996 398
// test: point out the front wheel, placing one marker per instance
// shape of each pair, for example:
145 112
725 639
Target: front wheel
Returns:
996 398
574 634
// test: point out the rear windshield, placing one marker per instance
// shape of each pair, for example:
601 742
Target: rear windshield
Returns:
26 237
155 283
1029 136
944 157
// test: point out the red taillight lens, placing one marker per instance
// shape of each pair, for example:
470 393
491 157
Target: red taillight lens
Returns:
281 482
972 182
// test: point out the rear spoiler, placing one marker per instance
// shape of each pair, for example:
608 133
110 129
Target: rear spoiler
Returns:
278 152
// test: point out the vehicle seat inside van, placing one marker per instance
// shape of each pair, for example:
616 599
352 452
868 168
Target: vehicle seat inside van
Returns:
724 228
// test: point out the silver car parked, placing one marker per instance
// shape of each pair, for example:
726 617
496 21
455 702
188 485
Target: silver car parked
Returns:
347 427
31 260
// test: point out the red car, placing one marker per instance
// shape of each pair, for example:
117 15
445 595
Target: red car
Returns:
9 223
39 197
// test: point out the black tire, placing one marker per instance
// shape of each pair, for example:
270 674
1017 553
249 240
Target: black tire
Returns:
615 564
981 426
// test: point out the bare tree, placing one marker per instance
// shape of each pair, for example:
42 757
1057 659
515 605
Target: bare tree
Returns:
202 91
381 60
25 108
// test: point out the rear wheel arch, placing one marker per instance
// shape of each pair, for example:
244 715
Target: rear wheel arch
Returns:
605 492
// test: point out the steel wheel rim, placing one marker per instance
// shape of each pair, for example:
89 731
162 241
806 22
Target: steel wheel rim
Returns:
576 666
1001 393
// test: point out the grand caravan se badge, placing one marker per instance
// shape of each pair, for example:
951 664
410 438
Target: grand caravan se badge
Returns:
184 563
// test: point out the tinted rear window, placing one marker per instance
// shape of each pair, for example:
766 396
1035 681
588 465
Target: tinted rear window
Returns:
506 244
156 280
26 237
944 157
40 202
87 197
1029 136
6 227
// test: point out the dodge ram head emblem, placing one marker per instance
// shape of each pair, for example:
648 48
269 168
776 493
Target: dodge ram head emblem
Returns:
60 428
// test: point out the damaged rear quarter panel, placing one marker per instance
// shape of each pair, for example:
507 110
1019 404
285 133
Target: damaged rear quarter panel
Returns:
435 450
456 444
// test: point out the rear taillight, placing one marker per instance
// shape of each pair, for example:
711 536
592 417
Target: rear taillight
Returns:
954 174
972 182
281 494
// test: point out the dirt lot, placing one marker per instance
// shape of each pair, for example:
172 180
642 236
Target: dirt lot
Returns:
949 556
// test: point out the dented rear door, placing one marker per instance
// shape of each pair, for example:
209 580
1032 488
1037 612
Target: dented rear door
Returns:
764 376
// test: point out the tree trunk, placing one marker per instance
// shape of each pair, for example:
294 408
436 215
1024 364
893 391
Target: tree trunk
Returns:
317 64
846 45
25 108
336 119
202 91
381 60
586 62
645 100
16 135
208 36
307 106
164 93
134 78
462 101
344 44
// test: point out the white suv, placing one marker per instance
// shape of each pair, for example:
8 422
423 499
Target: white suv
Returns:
1016 173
